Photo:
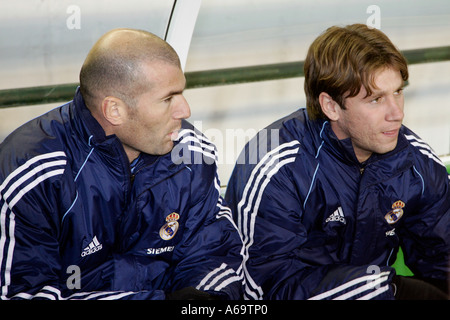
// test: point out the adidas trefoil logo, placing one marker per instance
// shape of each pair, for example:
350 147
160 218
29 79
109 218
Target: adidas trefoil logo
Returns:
338 215
93 247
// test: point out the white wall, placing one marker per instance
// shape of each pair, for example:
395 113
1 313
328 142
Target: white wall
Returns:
252 32
228 33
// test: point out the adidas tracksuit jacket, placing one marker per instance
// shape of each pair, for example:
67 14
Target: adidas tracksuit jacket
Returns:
75 222
317 224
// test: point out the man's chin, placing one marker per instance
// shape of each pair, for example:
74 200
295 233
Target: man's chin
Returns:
388 148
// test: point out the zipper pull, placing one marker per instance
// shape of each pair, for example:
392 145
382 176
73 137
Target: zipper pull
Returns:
361 170
133 171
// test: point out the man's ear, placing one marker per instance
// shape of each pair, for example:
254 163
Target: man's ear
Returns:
113 110
329 107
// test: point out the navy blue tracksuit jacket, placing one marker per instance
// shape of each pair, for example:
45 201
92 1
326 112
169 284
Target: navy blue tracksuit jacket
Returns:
76 223
317 224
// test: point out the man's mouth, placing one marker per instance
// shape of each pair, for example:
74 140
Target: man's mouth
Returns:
174 135
391 133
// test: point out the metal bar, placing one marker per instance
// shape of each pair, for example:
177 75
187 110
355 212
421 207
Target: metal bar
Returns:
218 77
199 79
37 95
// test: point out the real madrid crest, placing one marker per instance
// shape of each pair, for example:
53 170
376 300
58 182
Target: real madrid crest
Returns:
169 230
396 213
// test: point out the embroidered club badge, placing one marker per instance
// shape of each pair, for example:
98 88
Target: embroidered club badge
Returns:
169 230
396 213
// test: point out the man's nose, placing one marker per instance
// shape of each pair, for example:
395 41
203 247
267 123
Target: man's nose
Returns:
182 110
395 112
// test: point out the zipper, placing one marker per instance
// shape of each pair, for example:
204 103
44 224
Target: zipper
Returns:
363 166
133 167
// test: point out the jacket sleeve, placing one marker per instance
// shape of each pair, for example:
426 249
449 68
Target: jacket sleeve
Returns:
268 213
30 260
209 256
425 238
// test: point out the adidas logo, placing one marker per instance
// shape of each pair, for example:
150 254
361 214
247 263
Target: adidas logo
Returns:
93 247
338 215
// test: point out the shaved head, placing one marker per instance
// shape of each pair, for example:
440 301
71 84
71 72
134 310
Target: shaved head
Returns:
113 67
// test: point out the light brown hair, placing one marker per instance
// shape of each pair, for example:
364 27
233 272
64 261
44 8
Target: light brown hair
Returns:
342 59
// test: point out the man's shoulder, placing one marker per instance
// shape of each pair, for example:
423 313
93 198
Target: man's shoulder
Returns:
423 151
37 141
283 136
193 147
426 161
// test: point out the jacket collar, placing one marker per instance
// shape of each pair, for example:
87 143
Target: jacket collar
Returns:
94 137
89 128
343 149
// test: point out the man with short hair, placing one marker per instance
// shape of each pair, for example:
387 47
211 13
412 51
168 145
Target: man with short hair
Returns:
94 203
323 214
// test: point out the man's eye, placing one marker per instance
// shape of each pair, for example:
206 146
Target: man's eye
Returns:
398 92
168 100
376 100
